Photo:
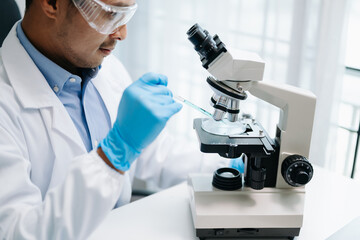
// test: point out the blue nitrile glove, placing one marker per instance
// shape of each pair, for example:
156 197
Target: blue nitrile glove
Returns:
238 164
144 109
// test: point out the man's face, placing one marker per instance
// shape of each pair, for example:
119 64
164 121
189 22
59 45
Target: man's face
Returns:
80 45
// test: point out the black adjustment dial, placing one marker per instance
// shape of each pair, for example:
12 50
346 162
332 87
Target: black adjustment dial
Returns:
296 170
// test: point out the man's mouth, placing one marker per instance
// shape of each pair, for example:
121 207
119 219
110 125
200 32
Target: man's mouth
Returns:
106 50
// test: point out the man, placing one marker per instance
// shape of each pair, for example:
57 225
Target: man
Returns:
67 146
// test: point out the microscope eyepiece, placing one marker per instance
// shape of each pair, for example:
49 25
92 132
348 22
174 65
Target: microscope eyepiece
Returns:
196 35
208 47
202 40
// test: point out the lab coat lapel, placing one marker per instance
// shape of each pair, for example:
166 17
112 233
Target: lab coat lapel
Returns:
34 92
65 140
110 97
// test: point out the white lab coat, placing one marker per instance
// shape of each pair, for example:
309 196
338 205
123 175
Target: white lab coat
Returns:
50 187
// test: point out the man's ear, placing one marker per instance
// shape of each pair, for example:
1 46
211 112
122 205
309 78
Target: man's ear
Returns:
50 7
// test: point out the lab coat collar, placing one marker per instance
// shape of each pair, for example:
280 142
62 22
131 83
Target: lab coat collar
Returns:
29 84
34 92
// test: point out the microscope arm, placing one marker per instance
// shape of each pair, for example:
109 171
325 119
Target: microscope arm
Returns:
297 110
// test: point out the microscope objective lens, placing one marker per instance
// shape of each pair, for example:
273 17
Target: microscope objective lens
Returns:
223 127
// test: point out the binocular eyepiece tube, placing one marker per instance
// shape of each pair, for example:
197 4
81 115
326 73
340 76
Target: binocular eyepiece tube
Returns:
208 47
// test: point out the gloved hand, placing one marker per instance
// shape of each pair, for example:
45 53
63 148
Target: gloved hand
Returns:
144 109
238 163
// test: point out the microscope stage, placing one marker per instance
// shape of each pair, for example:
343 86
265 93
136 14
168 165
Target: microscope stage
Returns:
254 140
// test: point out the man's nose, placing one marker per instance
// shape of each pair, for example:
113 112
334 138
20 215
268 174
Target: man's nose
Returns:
119 33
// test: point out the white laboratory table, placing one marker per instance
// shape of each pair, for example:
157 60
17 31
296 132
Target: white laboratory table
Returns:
332 201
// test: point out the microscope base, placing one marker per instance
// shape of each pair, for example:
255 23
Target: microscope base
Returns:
248 233
269 213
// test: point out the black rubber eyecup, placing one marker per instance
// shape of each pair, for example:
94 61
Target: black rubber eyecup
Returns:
227 179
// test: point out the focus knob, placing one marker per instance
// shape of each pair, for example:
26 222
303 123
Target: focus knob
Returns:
296 170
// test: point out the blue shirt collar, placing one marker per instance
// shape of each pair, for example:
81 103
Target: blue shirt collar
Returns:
55 75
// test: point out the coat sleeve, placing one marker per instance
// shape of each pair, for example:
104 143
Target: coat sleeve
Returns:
71 210
168 161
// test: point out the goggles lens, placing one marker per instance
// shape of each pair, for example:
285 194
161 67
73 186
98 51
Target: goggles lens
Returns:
102 17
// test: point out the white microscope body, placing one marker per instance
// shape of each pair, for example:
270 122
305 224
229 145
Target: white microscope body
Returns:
271 203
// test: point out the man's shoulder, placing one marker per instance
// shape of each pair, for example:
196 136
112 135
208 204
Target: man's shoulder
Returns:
2 68
7 96
4 80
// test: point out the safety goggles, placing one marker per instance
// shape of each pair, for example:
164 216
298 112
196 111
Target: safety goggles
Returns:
102 17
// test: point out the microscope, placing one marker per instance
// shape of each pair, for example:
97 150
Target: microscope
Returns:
267 200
